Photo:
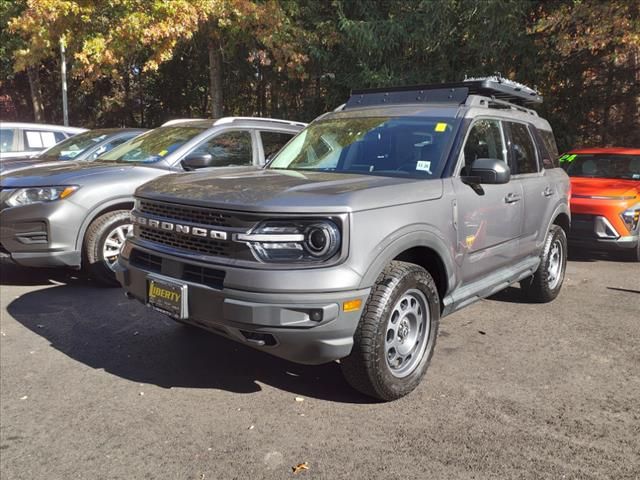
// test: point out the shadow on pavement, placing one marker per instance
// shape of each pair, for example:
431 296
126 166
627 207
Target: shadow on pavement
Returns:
102 329
15 275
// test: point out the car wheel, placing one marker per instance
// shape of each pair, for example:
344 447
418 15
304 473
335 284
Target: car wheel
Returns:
102 243
546 282
396 336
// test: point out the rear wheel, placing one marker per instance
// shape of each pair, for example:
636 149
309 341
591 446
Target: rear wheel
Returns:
546 283
396 336
102 243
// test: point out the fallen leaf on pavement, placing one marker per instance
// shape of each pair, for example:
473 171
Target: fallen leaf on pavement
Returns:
299 399
300 467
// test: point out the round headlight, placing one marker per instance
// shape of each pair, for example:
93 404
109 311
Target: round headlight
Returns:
322 239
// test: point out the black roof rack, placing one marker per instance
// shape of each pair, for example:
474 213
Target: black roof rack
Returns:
446 93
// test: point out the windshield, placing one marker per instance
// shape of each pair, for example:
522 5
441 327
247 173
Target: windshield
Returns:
152 146
388 146
601 166
73 146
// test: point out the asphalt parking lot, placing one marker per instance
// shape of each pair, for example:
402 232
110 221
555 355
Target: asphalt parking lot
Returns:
96 386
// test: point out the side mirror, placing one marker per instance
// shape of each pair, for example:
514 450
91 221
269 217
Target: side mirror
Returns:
488 171
197 160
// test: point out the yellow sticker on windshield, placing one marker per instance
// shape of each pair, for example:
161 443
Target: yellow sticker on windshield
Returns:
163 153
441 127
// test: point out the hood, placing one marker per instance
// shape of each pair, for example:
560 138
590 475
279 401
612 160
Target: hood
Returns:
604 187
289 191
74 173
12 164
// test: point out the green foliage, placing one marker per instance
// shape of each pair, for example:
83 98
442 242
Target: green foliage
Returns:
145 61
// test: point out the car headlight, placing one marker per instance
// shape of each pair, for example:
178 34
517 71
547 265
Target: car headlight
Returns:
296 241
630 217
26 196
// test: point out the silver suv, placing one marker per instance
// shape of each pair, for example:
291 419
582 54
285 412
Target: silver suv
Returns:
77 213
398 208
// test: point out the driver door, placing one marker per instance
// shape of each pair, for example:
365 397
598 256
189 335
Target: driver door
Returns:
489 216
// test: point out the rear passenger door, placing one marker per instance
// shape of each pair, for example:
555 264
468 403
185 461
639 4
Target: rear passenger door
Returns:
526 161
489 218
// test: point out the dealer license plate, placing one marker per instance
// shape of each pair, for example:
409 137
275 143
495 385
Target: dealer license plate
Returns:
168 297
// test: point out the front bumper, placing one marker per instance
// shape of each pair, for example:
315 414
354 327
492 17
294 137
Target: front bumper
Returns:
597 232
41 234
616 244
278 322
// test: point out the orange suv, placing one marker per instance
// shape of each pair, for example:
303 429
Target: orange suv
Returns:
605 198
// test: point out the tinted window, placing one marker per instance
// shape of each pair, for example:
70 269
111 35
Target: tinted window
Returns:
6 140
523 149
552 149
59 136
484 141
388 146
602 166
272 142
227 149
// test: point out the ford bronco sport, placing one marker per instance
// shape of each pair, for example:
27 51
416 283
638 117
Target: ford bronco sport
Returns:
400 207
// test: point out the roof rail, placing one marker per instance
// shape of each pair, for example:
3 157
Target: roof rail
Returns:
258 119
181 120
446 93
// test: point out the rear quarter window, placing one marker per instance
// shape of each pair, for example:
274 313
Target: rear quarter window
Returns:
549 143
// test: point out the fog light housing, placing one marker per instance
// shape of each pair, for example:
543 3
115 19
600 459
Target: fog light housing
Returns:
631 217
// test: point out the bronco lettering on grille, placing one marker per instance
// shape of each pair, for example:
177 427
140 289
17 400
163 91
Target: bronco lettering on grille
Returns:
182 229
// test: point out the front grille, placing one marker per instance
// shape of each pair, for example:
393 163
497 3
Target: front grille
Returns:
210 277
203 275
197 215
146 261
206 246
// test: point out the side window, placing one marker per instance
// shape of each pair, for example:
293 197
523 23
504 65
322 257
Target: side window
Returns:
524 151
484 141
59 136
272 142
229 148
6 140
38 139
549 142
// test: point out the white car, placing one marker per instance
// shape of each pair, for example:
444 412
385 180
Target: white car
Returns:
26 139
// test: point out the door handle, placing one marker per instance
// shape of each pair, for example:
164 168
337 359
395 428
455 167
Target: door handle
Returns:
547 192
512 198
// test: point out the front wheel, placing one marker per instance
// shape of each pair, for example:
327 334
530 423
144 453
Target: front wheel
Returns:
396 336
546 282
102 243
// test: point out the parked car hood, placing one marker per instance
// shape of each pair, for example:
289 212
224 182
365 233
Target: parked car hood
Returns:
604 187
75 173
289 191
12 164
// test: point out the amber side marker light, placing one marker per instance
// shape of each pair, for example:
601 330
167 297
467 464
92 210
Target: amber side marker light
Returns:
68 191
351 305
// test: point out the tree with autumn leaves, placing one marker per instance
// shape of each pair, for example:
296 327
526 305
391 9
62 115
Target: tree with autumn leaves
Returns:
140 62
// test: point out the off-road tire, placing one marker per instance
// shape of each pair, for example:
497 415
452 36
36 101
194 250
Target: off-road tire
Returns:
366 368
537 288
94 240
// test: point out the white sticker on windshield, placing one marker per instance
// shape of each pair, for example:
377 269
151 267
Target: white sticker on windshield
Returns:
424 166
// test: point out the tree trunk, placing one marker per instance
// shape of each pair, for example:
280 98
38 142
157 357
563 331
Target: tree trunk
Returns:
36 93
215 79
